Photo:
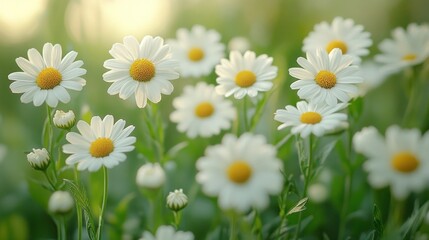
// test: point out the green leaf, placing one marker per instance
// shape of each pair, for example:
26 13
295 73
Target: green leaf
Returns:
409 228
356 108
299 207
378 223
82 201
172 153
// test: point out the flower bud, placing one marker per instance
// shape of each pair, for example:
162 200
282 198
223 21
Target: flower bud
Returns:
60 203
177 200
64 120
150 176
39 159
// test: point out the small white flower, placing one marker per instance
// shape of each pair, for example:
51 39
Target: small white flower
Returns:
326 78
407 48
45 79
242 75
242 172
373 76
201 111
167 233
101 143
318 192
60 202
342 33
177 200
309 118
39 159
150 175
64 120
399 161
240 44
144 69
198 50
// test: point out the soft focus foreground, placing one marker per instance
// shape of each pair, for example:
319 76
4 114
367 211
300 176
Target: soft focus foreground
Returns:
214 119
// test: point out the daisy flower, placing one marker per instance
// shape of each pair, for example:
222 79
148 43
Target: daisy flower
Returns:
201 111
198 50
101 143
167 232
309 118
407 48
242 172
326 78
400 160
342 33
143 69
46 77
373 76
246 74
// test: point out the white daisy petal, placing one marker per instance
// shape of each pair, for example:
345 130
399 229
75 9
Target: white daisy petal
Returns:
325 79
395 160
234 172
95 146
141 69
45 79
310 118
204 113
240 74
198 50
341 34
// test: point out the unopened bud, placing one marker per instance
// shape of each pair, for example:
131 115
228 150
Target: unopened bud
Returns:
39 159
177 200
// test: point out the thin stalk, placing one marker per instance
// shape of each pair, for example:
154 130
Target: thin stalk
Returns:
103 204
245 122
233 231
79 222
307 178
61 227
78 210
49 180
345 158
177 217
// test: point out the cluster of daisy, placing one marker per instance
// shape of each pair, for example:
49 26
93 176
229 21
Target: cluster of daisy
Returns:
242 171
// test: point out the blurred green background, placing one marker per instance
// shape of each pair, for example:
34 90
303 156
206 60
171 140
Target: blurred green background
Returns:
90 27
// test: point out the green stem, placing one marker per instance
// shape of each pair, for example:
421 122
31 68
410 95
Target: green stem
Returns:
103 204
79 222
49 180
245 122
307 179
61 228
396 211
177 217
51 124
233 227
284 140
78 210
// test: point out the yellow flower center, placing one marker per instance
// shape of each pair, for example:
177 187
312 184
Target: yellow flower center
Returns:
337 44
409 57
239 171
326 79
101 147
195 54
310 117
405 162
245 78
204 109
49 78
142 70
